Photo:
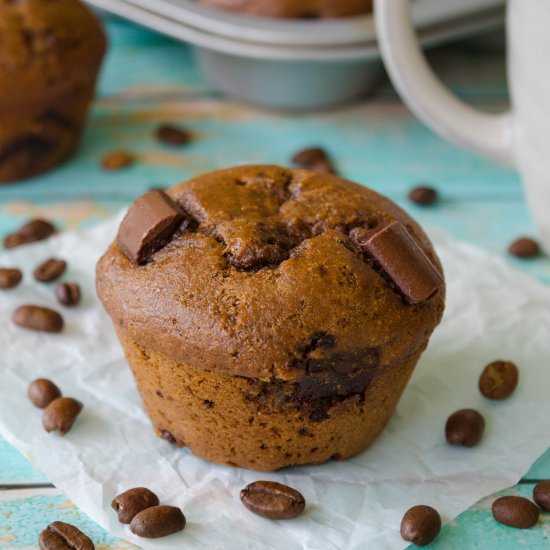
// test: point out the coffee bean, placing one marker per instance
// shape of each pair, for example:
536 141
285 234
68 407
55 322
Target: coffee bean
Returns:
310 156
464 427
33 231
64 536
117 160
133 501
10 278
541 494
273 500
60 414
14 240
50 270
158 521
172 135
498 380
524 247
420 525
38 318
42 392
423 196
68 294
516 512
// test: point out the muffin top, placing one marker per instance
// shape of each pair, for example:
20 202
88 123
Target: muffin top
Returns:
269 272
47 43
303 9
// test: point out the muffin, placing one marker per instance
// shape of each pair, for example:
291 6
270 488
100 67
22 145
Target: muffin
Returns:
305 9
271 317
50 54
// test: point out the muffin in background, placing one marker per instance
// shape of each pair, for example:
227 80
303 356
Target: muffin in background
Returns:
271 317
297 9
50 55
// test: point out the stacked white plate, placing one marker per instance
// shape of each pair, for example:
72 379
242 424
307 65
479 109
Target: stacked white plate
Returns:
297 64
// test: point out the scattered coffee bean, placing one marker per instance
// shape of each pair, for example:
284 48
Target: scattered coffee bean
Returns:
133 501
60 414
64 536
316 159
172 135
10 278
38 318
423 196
273 500
158 521
464 427
149 224
42 392
117 160
50 270
68 294
498 380
524 247
420 525
541 494
516 512
33 231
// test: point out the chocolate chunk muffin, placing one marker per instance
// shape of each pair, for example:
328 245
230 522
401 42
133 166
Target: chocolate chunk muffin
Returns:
50 54
271 317
305 9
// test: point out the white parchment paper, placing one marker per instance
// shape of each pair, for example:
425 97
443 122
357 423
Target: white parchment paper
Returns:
492 312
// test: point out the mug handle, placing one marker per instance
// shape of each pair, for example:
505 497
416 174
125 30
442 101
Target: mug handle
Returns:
486 134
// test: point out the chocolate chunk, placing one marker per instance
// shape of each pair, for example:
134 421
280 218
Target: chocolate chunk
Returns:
149 224
541 494
172 135
515 512
424 196
524 247
38 318
50 270
420 525
10 278
64 536
498 380
117 160
167 436
60 414
128 504
157 522
464 427
33 231
273 500
42 392
402 260
68 294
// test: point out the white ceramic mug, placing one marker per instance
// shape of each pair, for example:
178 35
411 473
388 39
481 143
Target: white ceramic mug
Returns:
520 137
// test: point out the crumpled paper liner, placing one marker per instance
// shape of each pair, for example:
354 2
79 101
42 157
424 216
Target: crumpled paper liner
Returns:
492 312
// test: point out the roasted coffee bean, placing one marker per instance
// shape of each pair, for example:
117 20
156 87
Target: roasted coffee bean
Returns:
524 247
38 318
273 500
133 501
516 512
498 380
424 196
158 521
42 392
10 278
420 525
172 135
68 294
541 494
50 270
149 224
310 156
60 414
64 536
33 231
117 160
464 427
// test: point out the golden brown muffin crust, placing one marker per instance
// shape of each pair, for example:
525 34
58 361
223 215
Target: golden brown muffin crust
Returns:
267 283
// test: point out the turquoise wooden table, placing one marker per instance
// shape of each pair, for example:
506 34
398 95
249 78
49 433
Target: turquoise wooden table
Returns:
147 80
